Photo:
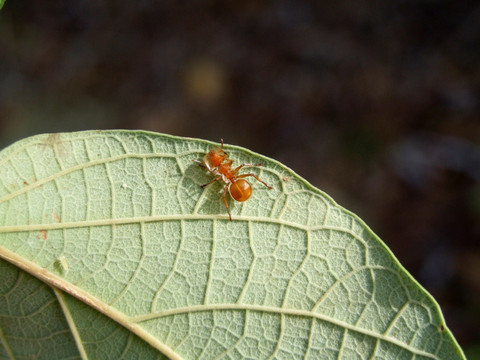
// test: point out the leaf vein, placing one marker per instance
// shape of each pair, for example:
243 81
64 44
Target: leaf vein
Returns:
281 311
4 342
71 323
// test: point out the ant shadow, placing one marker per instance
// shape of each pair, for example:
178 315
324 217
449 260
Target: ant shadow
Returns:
203 201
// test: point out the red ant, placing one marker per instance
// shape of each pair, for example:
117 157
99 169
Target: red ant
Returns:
218 163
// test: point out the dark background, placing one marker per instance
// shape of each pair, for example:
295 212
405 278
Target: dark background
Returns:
376 103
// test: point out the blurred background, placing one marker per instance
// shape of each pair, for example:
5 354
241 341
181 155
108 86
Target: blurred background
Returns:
377 103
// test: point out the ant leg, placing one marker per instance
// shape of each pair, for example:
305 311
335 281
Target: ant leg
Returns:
221 141
211 182
245 165
203 165
200 163
225 202
256 177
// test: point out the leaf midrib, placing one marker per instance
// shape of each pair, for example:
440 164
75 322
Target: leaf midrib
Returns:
57 282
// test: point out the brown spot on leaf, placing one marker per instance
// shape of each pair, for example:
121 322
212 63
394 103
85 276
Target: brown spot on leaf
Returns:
56 217
60 147
43 234
52 140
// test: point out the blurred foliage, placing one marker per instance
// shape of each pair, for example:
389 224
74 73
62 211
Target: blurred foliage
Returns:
384 91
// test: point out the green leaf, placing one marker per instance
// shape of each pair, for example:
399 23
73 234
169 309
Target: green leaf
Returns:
2 2
112 250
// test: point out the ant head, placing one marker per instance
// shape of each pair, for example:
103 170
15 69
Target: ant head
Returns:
215 157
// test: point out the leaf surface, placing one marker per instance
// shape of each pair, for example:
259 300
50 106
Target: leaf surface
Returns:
112 250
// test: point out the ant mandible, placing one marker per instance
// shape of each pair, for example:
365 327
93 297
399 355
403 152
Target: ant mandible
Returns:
218 163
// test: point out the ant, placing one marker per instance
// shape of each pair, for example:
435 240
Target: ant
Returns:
218 163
